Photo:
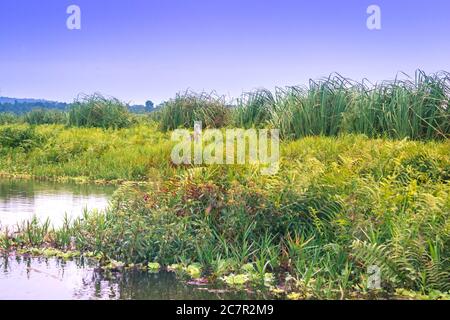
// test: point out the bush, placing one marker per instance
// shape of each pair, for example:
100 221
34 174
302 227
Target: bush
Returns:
14 136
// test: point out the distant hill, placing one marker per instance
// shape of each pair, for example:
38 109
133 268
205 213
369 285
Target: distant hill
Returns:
24 100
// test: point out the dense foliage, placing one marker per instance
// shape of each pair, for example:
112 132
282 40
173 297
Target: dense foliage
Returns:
337 206
364 180
21 137
135 153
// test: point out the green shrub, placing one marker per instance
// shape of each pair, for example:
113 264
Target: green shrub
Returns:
14 136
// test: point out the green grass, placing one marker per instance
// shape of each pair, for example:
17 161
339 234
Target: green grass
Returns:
54 151
35 117
8 118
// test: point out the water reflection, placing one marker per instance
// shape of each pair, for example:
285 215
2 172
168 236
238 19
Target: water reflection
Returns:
42 278
21 199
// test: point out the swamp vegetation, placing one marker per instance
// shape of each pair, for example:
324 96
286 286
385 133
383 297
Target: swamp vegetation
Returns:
363 180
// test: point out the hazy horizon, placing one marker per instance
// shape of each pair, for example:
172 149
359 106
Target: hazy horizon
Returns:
149 50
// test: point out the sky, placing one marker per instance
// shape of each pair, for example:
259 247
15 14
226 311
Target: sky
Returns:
138 50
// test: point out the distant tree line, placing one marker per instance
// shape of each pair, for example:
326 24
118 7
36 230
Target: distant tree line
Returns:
22 106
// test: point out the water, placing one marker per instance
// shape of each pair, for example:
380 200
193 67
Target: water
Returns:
28 278
33 278
21 199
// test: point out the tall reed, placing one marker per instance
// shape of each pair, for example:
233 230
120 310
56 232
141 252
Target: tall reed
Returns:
417 108
188 107
98 111
254 109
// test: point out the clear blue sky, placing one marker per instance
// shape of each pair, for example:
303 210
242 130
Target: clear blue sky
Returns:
150 49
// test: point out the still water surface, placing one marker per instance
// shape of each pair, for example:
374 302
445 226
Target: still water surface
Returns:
21 199
52 279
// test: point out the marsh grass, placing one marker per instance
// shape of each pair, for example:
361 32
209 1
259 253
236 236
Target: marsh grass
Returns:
98 111
188 107
254 109
8 118
55 151
417 108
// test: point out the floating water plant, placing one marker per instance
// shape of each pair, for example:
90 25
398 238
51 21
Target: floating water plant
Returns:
236 279
153 266
194 271
113 265
175 267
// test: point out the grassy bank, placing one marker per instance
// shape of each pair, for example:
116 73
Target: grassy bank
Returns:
54 151
337 206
